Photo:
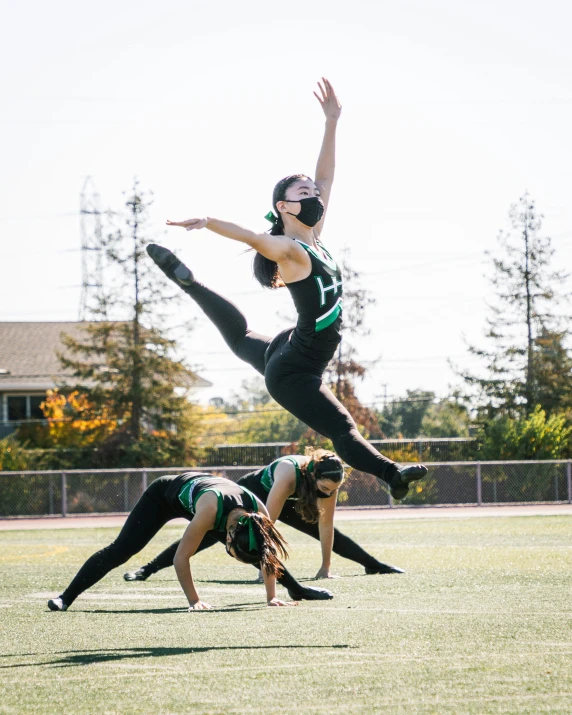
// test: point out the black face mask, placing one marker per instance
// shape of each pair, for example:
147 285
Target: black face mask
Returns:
311 210
321 495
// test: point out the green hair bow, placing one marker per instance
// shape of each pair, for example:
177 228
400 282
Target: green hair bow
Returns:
252 543
271 217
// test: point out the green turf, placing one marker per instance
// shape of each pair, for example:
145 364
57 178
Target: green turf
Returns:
480 623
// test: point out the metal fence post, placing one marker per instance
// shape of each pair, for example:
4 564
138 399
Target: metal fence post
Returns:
51 494
143 480
479 485
390 499
569 480
126 491
64 495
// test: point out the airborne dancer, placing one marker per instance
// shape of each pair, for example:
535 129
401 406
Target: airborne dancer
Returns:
292 254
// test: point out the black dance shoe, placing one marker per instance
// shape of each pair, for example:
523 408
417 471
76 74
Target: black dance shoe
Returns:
57 604
137 575
399 485
383 568
308 593
171 266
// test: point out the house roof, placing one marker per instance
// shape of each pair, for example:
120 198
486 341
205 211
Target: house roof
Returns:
28 355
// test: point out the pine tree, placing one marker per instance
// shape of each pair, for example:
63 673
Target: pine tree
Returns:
524 320
126 364
402 418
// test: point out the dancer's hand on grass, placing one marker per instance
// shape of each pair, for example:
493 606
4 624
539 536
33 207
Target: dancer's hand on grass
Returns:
190 224
328 100
278 602
200 606
325 573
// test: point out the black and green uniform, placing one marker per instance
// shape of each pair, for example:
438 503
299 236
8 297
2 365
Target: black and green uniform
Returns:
318 301
260 483
165 499
186 490
294 362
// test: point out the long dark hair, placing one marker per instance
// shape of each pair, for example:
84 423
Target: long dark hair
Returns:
265 270
323 464
257 540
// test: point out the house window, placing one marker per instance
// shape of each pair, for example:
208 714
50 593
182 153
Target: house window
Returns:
24 407
17 407
35 410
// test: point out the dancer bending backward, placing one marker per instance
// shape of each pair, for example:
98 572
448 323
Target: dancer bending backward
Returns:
218 510
294 361
301 491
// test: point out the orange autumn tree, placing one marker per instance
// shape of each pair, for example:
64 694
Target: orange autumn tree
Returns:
71 421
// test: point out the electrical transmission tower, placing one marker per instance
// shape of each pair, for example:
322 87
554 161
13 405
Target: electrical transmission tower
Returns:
91 249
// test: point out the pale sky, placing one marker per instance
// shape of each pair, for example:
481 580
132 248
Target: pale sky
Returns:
451 110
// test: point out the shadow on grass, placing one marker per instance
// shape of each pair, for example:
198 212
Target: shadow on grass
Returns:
107 655
244 582
256 606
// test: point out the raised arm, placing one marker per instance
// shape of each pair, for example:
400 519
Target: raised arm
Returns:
326 165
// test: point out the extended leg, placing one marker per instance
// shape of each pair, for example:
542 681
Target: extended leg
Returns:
226 317
147 517
307 398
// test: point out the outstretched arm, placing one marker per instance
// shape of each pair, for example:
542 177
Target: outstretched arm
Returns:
276 248
326 165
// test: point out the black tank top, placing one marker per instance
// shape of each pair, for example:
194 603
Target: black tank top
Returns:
262 480
318 301
188 487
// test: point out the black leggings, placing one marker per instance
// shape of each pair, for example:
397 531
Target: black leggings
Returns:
149 515
343 545
294 383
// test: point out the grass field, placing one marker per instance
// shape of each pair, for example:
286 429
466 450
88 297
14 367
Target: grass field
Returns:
481 622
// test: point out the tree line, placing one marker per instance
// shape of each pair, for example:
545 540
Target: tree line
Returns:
131 404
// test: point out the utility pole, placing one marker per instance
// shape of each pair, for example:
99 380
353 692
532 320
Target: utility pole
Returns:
91 249
135 206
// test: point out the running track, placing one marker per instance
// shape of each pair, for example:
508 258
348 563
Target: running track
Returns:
456 512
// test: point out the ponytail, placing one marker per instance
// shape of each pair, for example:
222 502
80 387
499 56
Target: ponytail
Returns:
257 541
307 502
323 464
266 271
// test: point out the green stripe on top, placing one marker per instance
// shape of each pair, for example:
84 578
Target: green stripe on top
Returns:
330 317
253 498
194 487
184 494
220 521
267 477
326 258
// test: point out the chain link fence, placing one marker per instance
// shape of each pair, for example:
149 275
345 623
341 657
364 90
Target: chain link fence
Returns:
447 483
424 449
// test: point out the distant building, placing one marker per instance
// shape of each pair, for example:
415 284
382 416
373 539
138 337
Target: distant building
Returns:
29 366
